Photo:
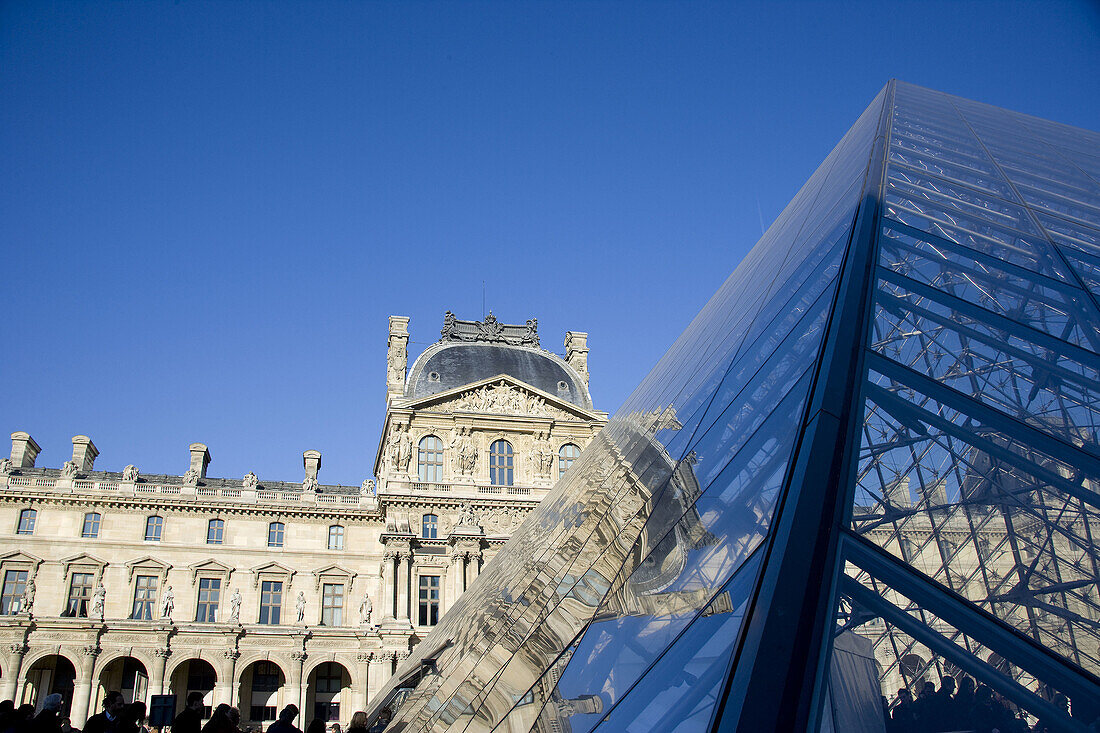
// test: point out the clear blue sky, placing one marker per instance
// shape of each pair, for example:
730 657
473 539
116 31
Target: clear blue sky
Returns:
208 210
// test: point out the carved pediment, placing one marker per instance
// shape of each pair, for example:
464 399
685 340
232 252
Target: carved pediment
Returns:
17 560
333 571
503 395
270 569
148 563
210 567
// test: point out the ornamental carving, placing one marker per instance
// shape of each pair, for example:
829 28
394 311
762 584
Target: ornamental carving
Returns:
5 466
399 449
364 657
18 649
490 330
465 451
130 473
250 480
542 457
502 397
232 654
68 469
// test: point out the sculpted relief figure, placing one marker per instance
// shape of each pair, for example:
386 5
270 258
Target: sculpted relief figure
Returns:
235 606
365 609
191 478
397 361
309 484
400 449
542 456
68 470
130 473
466 517
5 466
465 451
168 603
250 481
367 489
99 601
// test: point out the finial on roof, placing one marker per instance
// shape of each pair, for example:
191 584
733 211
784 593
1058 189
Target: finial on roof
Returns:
490 331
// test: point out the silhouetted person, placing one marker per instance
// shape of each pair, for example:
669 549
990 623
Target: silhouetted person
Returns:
382 721
108 720
315 726
220 721
285 723
904 716
190 718
67 726
48 720
132 718
358 723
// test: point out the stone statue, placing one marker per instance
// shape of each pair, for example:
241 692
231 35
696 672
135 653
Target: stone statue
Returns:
367 489
130 473
191 478
309 484
5 466
300 606
99 602
167 604
466 517
542 456
26 598
449 326
68 470
397 362
250 481
531 335
365 609
235 606
400 449
466 451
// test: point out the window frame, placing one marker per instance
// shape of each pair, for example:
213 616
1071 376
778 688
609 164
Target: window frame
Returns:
271 603
215 531
565 462
276 534
429 528
207 600
78 606
429 459
429 599
144 605
28 520
97 520
332 604
338 535
502 463
11 603
154 528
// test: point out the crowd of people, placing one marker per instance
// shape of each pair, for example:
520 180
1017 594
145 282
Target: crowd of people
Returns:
118 716
970 707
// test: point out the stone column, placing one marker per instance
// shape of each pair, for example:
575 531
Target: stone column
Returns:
82 687
226 684
377 676
456 575
156 681
297 682
362 698
389 587
404 563
11 675
471 570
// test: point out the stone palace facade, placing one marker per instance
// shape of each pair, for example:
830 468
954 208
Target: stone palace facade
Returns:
261 593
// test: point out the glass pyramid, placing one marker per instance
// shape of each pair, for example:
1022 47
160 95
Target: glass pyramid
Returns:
871 462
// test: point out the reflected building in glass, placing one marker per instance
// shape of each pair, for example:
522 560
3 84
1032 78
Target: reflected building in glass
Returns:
869 463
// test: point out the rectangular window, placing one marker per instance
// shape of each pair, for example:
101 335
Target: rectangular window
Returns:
262 712
429 600
154 526
275 533
210 590
80 592
215 531
336 537
91 526
271 601
332 605
27 520
145 597
11 603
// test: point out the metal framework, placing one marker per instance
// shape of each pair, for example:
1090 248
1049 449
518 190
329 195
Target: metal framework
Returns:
872 460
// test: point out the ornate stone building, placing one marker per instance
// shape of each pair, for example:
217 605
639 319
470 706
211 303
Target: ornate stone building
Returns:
261 593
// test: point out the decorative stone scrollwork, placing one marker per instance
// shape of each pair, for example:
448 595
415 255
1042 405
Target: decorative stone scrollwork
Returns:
401 656
490 330
91 651
130 473
298 656
231 654
162 653
18 649
364 657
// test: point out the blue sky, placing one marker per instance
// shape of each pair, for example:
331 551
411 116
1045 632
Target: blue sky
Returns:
208 210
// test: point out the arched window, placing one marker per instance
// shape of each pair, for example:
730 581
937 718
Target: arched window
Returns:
215 531
430 460
567 454
430 527
336 537
275 533
501 462
154 528
91 526
27 518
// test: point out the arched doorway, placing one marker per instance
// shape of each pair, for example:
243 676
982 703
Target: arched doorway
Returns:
260 687
125 674
193 675
50 674
328 694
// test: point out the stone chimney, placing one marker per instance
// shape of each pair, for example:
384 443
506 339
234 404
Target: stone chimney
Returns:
576 352
84 452
311 459
23 450
397 356
200 458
